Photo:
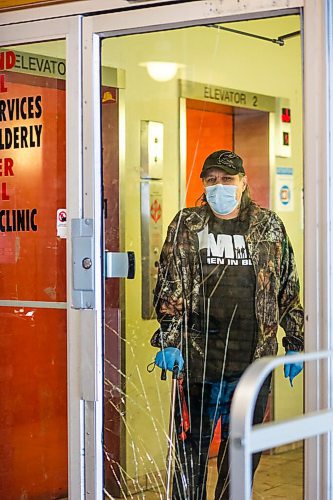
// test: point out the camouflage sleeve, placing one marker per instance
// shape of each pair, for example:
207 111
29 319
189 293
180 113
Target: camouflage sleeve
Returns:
168 294
290 308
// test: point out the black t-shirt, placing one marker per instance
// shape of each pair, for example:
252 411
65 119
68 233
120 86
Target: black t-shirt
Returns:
227 298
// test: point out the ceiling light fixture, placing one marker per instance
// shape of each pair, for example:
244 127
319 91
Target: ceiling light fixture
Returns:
161 71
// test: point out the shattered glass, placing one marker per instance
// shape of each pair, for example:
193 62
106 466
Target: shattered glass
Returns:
159 432
158 128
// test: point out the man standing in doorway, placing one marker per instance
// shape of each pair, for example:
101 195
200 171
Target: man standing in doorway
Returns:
227 279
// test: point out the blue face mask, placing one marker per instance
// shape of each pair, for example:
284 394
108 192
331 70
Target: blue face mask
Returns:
222 199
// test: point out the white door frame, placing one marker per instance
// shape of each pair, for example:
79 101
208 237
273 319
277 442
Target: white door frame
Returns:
44 31
318 233
318 188
318 154
207 8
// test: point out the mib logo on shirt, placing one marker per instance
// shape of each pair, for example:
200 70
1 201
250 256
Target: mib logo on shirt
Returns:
227 249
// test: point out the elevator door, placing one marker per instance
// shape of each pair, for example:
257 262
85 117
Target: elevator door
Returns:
210 127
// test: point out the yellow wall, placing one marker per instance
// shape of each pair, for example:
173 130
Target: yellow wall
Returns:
219 58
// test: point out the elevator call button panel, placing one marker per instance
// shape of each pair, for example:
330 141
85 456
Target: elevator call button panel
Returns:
151 154
151 241
283 118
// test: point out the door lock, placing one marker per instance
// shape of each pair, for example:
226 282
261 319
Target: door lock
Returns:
83 292
86 263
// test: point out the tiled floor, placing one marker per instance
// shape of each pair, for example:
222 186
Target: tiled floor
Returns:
279 476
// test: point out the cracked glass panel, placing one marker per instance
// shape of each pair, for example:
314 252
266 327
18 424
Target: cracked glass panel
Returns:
33 335
202 166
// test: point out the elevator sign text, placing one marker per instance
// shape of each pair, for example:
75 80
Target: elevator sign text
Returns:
20 129
226 96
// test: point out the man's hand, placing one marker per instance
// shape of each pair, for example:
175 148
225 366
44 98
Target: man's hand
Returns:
291 370
168 357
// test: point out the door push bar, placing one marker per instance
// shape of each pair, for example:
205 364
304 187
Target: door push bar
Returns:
246 439
120 265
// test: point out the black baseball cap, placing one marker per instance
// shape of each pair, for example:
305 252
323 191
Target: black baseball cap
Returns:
226 160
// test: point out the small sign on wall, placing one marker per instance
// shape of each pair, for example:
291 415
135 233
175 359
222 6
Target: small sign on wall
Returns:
62 223
284 189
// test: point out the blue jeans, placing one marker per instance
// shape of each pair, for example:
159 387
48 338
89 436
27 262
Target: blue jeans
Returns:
206 403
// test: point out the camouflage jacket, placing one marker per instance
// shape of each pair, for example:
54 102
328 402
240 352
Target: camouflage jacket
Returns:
177 294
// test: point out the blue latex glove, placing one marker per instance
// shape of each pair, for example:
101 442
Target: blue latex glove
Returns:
166 358
291 370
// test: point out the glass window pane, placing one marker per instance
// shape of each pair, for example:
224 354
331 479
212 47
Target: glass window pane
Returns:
33 337
225 278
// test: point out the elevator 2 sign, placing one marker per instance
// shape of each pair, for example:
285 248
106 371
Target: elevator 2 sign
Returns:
223 95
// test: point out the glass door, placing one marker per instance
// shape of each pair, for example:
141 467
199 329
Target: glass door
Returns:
40 192
187 92
197 110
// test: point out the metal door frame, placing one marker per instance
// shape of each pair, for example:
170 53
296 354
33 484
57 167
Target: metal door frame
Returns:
318 149
241 9
318 188
318 233
70 30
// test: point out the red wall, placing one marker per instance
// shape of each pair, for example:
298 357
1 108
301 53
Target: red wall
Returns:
33 386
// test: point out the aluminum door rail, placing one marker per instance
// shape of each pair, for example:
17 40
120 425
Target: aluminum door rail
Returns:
246 438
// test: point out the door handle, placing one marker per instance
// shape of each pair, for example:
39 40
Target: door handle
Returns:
120 265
